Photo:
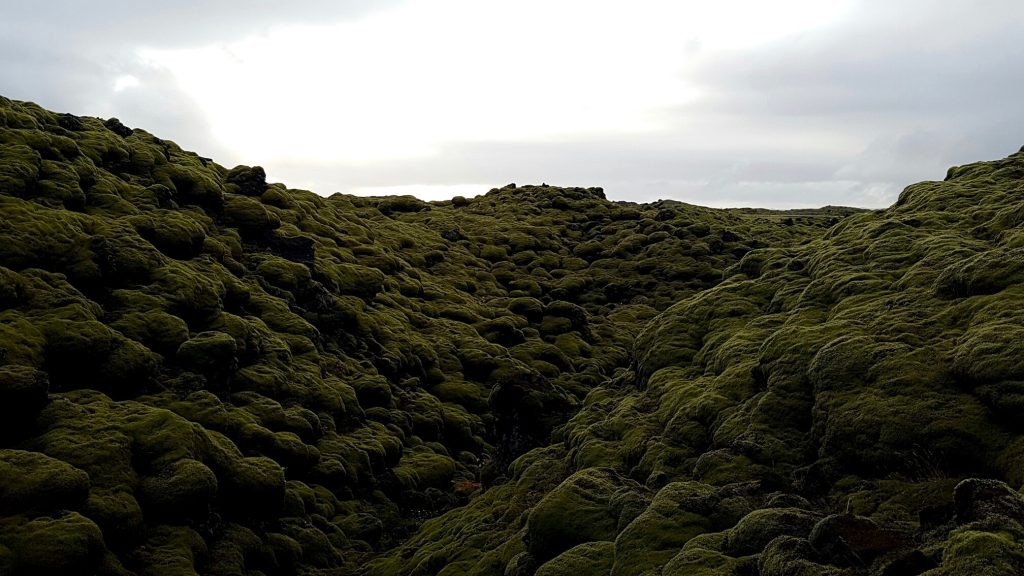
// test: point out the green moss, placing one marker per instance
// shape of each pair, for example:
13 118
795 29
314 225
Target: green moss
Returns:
67 543
702 556
752 533
579 510
361 526
657 534
352 279
421 468
399 204
788 555
156 329
242 481
171 550
176 234
23 393
208 352
118 514
19 168
283 273
317 549
976 550
211 342
181 489
250 181
34 481
232 547
588 558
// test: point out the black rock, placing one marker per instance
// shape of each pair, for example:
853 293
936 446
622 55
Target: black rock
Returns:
978 498
250 181
69 122
115 126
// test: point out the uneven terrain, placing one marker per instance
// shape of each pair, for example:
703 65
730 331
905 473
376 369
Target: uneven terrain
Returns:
205 373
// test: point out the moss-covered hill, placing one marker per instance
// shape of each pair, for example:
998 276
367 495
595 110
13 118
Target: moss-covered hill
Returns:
201 372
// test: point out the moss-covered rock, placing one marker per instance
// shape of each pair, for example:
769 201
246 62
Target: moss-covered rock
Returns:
587 558
30 481
209 352
674 516
67 543
23 393
353 279
578 511
760 527
182 489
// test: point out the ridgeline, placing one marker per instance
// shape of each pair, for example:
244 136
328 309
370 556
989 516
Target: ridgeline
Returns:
205 373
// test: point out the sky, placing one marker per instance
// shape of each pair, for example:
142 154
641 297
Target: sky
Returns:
789 103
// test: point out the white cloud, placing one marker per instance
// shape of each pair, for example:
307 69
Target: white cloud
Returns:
401 83
122 83
789 103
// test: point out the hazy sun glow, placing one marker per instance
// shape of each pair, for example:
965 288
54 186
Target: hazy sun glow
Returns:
124 82
404 82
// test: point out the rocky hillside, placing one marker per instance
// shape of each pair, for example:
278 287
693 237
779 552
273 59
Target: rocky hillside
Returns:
203 373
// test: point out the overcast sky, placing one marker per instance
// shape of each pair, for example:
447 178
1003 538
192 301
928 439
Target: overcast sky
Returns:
726 103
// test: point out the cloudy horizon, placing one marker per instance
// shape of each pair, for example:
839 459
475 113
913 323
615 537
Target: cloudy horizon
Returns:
790 104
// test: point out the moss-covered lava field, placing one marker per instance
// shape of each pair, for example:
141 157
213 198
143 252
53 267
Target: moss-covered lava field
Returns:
205 373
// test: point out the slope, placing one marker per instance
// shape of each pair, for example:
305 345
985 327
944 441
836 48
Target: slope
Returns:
847 406
202 372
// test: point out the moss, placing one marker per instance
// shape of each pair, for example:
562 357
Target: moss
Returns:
286 550
796 364
60 182
657 534
231 549
467 394
788 555
976 550
118 514
244 481
579 510
35 482
23 393
399 204
317 550
530 308
171 550
87 354
284 274
208 352
361 526
702 556
352 279
19 168
984 273
181 489
588 558
757 529
32 542
176 234
421 468
250 181
156 329
191 295
990 352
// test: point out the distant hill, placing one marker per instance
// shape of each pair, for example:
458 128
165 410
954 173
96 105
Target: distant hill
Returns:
205 373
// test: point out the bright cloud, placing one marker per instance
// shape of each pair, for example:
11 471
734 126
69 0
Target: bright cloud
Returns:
124 82
401 83
732 102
